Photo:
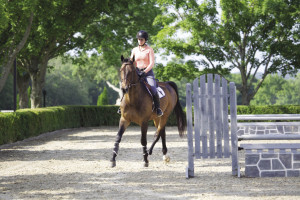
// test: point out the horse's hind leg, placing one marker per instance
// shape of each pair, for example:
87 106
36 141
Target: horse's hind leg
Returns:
160 134
144 129
122 127
160 125
163 140
164 146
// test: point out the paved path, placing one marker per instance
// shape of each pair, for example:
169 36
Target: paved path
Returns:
74 164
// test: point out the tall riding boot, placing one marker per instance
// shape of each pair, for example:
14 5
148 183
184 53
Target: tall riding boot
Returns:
157 105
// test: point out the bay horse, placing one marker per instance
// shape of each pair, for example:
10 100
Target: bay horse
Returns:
136 106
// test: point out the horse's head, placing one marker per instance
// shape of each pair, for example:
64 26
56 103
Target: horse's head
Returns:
129 76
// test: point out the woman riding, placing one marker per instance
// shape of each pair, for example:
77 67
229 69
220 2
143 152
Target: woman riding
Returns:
144 62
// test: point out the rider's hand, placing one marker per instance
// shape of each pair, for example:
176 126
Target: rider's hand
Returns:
142 74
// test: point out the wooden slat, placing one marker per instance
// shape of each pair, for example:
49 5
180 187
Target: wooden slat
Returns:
211 122
269 117
270 137
196 117
225 119
190 170
272 146
234 147
204 116
218 116
268 124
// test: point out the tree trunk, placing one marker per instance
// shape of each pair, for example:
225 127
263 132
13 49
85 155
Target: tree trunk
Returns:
23 84
6 68
244 89
245 99
37 76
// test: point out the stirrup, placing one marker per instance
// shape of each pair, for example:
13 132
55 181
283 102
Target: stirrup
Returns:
159 112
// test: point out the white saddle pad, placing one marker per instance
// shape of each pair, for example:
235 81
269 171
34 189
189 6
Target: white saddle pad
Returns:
161 92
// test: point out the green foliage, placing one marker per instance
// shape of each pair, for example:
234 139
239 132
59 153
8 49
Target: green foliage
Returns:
19 125
63 88
54 33
177 71
4 16
28 94
271 109
114 34
103 98
10 17
246 35
7 95
14 17
278 91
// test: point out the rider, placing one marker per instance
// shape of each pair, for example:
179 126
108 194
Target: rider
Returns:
144 61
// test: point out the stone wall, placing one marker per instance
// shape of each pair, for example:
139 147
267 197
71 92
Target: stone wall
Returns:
260 129
277 164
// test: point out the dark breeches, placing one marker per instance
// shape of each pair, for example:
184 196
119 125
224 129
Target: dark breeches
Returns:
150 79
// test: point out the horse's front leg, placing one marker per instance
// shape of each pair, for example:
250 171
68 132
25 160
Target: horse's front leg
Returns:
156 138
122 127
144 129
157 135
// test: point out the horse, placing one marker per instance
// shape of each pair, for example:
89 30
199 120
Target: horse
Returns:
136 106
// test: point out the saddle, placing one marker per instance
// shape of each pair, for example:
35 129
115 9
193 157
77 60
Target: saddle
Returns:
160 91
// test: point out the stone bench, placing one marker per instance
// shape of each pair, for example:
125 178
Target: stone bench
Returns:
270 159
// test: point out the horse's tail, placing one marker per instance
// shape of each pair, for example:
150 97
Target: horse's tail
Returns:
180 115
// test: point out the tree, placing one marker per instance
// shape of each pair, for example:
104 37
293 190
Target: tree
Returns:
278 91
16 21
247 35
290 94
177 70
65 89
53 34
113 34
103 98
267 95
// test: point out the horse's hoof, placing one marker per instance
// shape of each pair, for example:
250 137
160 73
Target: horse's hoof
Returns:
113 164
150 152
146 164
166 158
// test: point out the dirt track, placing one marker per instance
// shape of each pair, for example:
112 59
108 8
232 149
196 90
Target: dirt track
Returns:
74 164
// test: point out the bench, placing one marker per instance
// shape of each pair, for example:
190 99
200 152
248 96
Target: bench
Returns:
267 159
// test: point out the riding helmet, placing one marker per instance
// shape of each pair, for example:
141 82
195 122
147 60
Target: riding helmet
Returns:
142 34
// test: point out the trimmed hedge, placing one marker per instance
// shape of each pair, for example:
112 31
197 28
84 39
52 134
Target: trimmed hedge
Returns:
273 109
32 122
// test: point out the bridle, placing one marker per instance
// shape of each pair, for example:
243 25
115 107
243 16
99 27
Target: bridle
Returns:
131 83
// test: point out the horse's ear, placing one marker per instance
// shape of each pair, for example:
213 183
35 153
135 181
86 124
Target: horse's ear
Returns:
133 59
122 58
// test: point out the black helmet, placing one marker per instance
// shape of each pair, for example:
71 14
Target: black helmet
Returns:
142 34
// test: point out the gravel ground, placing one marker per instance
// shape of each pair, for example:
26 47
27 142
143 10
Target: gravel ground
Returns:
74 164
